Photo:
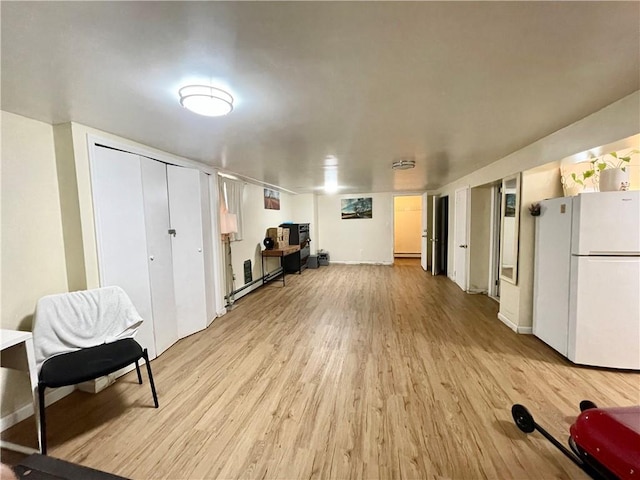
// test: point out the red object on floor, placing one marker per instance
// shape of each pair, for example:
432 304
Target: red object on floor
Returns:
612 437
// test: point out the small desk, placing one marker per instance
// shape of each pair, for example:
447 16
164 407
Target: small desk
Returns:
280 253
18 354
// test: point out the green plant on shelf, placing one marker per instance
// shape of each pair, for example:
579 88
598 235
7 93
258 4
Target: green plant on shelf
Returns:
603 162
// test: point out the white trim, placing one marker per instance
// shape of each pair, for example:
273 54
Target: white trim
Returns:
216 245
516 253
158 155
494 251
477 291
508 322
26 411
514 327
467 220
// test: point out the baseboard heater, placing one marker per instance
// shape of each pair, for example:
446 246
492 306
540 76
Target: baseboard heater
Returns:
244 287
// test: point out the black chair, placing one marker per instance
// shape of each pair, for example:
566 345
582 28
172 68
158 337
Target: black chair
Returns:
88 364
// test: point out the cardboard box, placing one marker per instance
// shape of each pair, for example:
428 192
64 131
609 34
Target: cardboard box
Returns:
275 233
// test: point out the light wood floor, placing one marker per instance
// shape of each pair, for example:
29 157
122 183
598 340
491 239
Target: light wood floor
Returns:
347 372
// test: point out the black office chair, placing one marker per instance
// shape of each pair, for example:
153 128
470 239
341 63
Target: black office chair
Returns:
81 336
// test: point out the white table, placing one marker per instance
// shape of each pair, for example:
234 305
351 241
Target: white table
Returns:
18 354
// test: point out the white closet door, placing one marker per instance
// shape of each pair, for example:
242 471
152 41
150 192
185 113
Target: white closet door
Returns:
207 232
120 231
159 259
187 247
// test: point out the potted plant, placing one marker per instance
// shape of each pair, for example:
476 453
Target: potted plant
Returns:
608 171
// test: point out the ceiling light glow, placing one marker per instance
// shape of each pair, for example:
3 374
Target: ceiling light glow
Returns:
331 179
206 100
331 161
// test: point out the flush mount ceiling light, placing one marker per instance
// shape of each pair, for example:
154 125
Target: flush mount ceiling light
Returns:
206 100
403 164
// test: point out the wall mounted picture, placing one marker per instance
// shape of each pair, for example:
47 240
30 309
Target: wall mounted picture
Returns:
271 199
510 205
357 208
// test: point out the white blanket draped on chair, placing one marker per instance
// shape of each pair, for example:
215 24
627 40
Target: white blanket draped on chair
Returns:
71 321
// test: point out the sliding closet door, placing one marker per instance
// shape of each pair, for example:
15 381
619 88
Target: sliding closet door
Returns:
207 231
159 259
187 247
120 232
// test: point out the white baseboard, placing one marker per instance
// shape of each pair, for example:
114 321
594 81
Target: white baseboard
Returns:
508 322
26 411
477 291
514 327
98 384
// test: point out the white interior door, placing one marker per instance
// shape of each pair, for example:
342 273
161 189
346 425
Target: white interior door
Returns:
435 266
187 248
424 228
159 258
461 236
116 182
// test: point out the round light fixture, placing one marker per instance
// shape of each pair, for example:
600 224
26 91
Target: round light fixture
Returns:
403 164
206 100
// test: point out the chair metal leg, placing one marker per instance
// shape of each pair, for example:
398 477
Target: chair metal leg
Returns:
43 421
138 371
153 386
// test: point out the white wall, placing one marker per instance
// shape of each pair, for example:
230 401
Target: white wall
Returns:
357 240
256 220
611 124
536 185
33 256
480 239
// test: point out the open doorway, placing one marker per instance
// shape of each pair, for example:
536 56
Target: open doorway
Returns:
407 226
440 239
494 262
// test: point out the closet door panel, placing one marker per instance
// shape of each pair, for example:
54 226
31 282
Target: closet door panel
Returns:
120 232
207 231
159 258
187 247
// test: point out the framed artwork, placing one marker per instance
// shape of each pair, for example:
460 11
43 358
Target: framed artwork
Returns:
271 199
356 208
510 205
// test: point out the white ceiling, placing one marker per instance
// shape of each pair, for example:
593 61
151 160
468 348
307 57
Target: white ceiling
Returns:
456 85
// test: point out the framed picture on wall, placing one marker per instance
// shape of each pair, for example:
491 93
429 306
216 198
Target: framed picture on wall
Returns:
356 208
271 199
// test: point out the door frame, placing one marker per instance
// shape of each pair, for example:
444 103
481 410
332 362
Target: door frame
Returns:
494 252
465 245
440 235
424 241
393 230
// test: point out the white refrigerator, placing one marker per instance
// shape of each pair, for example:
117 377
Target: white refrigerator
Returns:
587 278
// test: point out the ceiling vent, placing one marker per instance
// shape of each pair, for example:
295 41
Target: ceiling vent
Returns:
403 164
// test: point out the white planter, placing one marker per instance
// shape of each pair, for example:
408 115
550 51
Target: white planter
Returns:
613 180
